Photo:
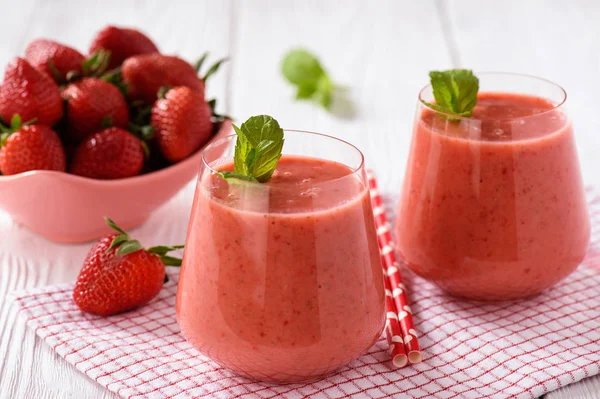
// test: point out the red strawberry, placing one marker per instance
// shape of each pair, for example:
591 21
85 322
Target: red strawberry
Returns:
113 153
29 93
119 275
122 44
146 74
93 104
54 59
181 122
34 147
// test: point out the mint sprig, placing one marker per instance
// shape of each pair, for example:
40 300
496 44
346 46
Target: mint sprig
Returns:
312 82
455 91
257 149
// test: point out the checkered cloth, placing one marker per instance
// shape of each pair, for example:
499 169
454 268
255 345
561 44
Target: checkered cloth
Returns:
470 350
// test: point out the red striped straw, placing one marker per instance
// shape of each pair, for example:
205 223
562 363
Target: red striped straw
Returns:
393 331
392 272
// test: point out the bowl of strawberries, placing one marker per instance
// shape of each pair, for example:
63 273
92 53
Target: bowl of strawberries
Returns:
117 133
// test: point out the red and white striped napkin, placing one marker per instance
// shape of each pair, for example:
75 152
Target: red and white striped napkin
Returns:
470 350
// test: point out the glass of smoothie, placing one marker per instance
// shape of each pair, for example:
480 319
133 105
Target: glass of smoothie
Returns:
493 206
282 281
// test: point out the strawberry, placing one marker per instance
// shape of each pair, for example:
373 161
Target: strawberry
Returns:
122 44
54 59
146 74
93 104
33 147
182 123
113 153
119 275
29 93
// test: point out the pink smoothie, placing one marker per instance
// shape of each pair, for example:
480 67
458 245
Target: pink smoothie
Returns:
493 206
282 281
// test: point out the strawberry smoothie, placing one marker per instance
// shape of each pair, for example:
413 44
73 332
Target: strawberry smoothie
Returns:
493 206
282 281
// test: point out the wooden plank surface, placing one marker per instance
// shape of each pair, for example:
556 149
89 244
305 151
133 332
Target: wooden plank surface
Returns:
381 50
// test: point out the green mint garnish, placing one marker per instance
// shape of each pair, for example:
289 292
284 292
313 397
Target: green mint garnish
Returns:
455 91
257 149
304 70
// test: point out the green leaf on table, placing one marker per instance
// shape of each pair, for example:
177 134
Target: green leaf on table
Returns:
303 69
257 149
455 91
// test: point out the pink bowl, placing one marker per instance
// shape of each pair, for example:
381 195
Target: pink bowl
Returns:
67 208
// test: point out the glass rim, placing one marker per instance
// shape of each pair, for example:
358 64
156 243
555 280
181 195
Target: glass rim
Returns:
506 74
354 170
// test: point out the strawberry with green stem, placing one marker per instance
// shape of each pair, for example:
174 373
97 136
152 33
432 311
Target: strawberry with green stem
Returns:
146 74
119 275
93 104
140 111
112 153
29 93
182 122
29 146
65 64
122 43
54 59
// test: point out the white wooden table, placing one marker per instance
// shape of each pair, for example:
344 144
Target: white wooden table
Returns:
381 49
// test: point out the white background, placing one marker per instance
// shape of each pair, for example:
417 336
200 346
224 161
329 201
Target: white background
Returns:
382 50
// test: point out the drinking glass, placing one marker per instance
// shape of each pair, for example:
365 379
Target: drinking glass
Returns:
493 206
282 281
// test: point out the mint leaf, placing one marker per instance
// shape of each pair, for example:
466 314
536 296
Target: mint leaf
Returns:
324 91
312 82
301 67
233 175
257 149
455 91
242 149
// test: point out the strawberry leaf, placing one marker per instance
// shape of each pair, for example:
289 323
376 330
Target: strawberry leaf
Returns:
30 122
3 138
96 64
115 78
162 92
199 63
72 75
163 249
107 121
216 116
4 129
118 240
113 225
54 71
170 261
15 122
129 247
146 149
213 69
147 132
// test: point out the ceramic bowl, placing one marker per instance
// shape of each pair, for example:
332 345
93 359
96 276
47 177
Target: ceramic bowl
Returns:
68 208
